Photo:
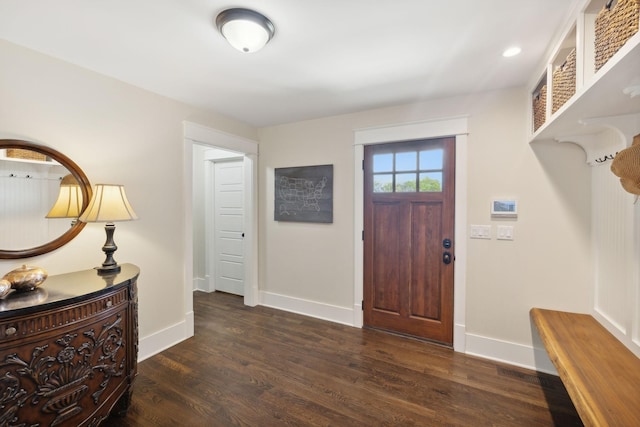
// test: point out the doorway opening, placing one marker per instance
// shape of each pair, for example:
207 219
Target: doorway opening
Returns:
199 140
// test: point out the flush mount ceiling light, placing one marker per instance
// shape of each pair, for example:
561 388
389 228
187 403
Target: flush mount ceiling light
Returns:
245 29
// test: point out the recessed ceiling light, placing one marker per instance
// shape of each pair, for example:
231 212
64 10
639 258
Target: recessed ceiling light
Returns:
512 51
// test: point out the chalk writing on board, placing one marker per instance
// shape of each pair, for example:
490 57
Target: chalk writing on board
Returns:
304 194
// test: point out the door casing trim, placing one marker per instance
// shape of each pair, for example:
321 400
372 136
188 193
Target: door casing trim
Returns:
194 133
453 126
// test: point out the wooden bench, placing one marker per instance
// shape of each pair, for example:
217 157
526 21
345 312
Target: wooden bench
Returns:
601 375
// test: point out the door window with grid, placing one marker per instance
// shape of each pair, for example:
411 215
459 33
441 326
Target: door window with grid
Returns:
418 170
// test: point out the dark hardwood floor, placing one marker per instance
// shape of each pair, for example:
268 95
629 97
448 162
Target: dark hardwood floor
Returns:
264 367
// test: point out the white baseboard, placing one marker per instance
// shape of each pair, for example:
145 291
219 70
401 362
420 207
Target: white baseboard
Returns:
459 338
358 317
189 325
200 284
168 337
315 309
508 352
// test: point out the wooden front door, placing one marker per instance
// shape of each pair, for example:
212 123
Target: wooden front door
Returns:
408 238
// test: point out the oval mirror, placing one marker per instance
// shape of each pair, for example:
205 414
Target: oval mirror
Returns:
35 182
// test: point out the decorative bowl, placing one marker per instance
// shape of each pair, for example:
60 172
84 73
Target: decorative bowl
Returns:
5 288
26 278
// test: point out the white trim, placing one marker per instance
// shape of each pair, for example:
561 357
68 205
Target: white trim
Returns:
251 294
200 284
415 130
460 232
459 332
168 337
358 221
332 313
187 202
511 353
209 207
453 126
216 138
618 331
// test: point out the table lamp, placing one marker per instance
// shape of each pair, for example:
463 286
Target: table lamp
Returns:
108 204
69 202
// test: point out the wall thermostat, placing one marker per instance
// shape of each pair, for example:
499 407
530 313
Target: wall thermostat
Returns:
504 208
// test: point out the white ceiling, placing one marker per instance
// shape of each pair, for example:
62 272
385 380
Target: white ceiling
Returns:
327 57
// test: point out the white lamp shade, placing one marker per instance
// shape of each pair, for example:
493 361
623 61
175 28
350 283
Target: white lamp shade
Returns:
108 204
69 202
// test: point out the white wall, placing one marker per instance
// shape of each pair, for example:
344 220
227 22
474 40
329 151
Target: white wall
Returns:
616 300
121 134
548 264
117 134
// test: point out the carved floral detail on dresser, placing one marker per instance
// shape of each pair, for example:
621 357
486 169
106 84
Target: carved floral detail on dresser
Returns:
56 379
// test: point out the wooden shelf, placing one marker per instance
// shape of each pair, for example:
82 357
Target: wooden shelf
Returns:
30 161
602 97
600 101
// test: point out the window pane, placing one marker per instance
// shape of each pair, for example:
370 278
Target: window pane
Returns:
383 162
431 159
405 182
406 161
383 183
431 182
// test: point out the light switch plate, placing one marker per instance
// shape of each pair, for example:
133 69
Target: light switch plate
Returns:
480 232
505 232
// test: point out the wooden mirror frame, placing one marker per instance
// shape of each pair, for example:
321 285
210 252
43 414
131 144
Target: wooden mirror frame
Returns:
85 186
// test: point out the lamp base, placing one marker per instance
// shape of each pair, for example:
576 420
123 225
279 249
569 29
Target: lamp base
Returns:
109 266
104 271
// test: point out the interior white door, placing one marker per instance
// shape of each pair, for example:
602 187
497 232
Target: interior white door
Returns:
228 226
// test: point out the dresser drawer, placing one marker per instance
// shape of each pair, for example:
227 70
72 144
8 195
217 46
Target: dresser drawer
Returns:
21 327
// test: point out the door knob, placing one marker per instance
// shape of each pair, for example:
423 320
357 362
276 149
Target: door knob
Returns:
446 258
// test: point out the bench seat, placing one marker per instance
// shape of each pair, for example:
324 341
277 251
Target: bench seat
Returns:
601 375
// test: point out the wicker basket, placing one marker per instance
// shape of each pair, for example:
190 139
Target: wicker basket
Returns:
564 82
539 107
19 153
614 26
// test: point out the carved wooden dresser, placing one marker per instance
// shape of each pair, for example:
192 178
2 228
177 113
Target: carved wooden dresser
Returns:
68 350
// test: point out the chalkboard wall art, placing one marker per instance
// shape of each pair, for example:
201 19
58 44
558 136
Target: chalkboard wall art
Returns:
304 194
